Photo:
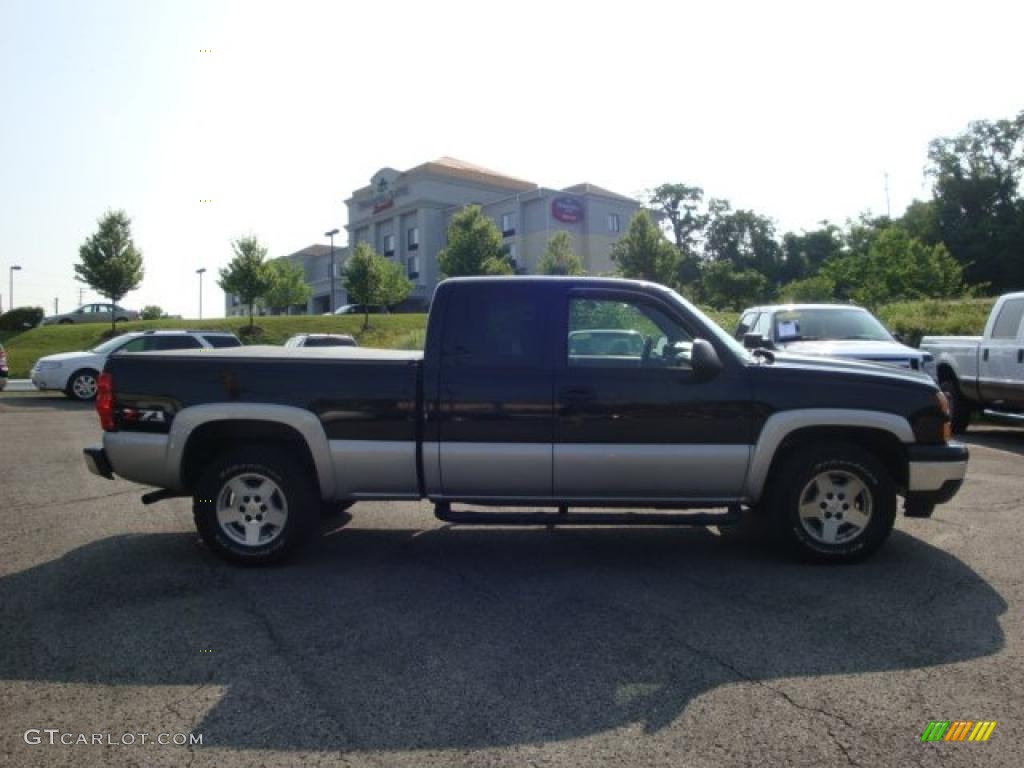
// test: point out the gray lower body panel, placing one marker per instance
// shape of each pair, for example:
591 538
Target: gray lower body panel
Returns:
650 471
142 458
374 468
495 469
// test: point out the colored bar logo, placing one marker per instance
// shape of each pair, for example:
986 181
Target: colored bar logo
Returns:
958 730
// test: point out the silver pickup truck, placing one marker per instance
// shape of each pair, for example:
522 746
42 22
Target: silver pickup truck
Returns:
984 372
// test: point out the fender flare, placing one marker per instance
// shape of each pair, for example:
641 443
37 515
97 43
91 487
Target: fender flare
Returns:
784 423
187 420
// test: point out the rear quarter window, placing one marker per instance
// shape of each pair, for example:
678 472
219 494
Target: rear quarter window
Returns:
219 342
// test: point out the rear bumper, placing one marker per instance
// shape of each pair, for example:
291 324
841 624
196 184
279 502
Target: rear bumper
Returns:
936 471
97 462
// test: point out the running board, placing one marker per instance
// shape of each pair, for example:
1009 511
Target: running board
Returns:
1014 417
160 495
443 511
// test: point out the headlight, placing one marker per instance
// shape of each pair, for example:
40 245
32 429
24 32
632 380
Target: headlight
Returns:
48 365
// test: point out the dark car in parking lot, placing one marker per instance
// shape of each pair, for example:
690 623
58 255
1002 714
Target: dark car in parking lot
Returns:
4 371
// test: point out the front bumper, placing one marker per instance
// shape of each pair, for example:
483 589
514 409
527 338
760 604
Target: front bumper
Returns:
51 378
936 471
97 462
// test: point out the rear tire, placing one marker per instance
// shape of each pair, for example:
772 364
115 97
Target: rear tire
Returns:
833 503
256 505
959 406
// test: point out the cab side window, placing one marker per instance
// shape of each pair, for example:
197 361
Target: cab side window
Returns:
630 333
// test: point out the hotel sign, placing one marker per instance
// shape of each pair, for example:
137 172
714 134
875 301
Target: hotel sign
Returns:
567 209
384 192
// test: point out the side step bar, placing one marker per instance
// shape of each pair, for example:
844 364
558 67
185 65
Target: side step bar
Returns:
1017 418
443 511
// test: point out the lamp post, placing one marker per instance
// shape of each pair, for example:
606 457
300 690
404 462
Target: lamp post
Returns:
10 286
200 272
331 233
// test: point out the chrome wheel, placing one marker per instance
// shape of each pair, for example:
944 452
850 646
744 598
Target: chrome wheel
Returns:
251 509
835 507
84 386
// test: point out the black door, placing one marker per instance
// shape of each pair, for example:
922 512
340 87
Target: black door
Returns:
632 420
495 394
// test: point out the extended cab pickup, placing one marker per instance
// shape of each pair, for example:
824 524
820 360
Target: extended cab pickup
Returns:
502 410
984 372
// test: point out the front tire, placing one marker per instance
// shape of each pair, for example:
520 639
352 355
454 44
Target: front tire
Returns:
256 505
82 385
959 406
833 503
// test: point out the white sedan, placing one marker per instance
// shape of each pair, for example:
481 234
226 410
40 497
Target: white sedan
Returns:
75 373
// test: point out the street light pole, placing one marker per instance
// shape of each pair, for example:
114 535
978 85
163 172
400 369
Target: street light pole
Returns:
331 233
10 285
200 272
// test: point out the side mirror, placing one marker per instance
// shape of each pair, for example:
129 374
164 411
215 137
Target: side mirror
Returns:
900 338
704 359
755 341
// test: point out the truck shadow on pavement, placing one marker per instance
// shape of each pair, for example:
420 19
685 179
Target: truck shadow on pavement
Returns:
389 639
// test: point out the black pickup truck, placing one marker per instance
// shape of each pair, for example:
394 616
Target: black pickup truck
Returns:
586 400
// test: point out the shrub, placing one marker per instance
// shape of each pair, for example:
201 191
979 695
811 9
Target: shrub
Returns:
20 318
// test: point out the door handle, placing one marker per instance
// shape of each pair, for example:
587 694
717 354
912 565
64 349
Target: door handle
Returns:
1020 355
984 355
577 396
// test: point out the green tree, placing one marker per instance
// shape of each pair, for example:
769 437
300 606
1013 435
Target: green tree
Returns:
683 208
395 286
743 238
558 258
895 267
151 312
362 278
287 285
644 253
725 287
372 280
803 254
979 209
246 275
474 246
819 288
110 263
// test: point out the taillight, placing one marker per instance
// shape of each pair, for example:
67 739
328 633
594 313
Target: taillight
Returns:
105 401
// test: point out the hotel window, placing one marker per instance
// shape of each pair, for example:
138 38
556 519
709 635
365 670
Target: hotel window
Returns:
412 238
413 267
508 224
613 222
389 245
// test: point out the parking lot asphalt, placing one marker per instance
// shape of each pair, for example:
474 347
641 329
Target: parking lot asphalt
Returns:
400 641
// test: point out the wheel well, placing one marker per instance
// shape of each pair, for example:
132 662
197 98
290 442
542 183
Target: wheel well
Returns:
212 438
881 444
945 372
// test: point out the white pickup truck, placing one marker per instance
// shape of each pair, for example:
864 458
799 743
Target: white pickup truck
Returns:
984 372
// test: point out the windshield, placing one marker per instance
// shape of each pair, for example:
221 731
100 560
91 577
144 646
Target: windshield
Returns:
845 324
109 346
733 345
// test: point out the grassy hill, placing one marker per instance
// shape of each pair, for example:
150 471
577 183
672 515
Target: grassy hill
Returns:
912 319
389 331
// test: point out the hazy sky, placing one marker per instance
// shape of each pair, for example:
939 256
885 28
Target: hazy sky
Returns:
796 110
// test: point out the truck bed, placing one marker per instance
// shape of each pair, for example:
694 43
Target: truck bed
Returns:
355 392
